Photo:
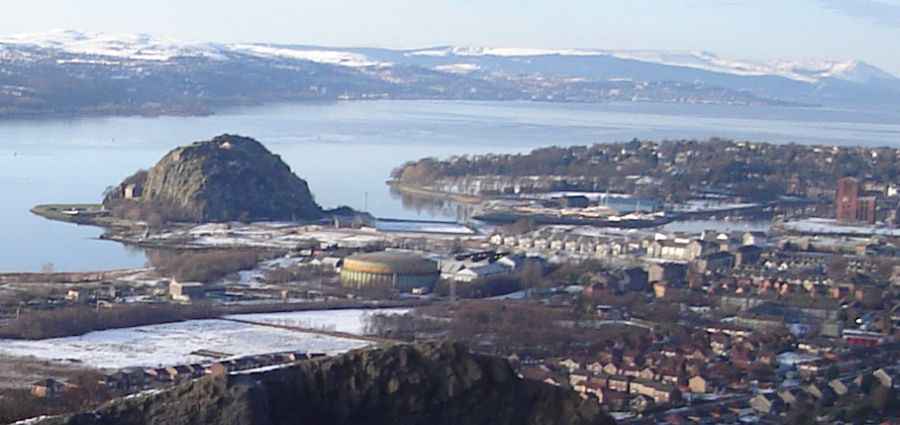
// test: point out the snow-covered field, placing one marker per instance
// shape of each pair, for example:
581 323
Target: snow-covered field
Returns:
351 321
169 344
286 235
272 235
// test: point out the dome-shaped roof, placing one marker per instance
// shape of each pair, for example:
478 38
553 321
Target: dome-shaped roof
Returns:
389 262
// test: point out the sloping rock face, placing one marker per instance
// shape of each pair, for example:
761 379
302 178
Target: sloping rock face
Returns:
431 384
228 178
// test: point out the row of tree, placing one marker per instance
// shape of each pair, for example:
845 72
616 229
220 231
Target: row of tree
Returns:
754 170
79 320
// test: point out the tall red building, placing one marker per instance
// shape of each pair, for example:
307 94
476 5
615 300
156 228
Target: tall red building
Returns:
852 207
847 195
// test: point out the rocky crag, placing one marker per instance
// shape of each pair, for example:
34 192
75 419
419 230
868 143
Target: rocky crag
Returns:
229 178
428 384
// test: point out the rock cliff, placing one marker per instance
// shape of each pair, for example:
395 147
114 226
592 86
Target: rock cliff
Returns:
429 384
228 178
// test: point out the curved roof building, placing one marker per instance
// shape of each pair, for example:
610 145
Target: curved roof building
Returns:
399 270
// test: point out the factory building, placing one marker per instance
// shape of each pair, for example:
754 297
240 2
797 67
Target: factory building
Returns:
402 271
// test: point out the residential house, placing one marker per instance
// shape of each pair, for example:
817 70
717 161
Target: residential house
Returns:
884 377
668 249
570 364
699 384
767 403
661 393
595 367
790 396
666 272
641 404
647 374
78 295
590 387
630 371
839 387
179 373
578 375
47 388
611 369
659 289
113 381
187 291
747 255
699 249
759 239
718 261
820 390
619 383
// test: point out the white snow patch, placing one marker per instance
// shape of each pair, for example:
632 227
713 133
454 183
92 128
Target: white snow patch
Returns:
350 321
331 57
829 226
151 48
423 227
458 68
173 343
130 46
518 295
806 71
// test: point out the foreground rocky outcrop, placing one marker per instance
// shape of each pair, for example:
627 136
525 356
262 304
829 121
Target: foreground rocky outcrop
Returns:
429 384
228 178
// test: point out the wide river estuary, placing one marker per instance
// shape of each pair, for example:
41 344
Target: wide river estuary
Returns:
346 151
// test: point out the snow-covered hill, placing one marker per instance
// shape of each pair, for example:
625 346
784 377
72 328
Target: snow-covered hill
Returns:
805 71
152 48
122 46
84 72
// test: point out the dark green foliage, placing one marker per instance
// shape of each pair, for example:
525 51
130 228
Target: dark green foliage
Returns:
756 171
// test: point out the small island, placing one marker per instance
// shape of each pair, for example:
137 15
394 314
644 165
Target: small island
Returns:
226 179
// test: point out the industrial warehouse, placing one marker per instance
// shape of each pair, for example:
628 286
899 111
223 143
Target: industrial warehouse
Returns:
399 270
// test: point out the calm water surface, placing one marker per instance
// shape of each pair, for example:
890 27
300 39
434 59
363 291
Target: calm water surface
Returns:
347 150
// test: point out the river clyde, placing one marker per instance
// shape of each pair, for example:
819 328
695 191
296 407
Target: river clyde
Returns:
346 150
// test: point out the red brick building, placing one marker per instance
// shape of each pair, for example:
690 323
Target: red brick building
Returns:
852 207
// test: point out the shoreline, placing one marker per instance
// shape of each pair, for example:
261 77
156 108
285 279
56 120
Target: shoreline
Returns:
410 189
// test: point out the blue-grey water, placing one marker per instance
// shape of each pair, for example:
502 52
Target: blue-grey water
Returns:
347 150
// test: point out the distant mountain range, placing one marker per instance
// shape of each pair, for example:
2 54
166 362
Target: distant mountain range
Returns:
71 72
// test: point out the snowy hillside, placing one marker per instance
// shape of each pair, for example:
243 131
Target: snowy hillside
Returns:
151 48
805 71
123 46
72 72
